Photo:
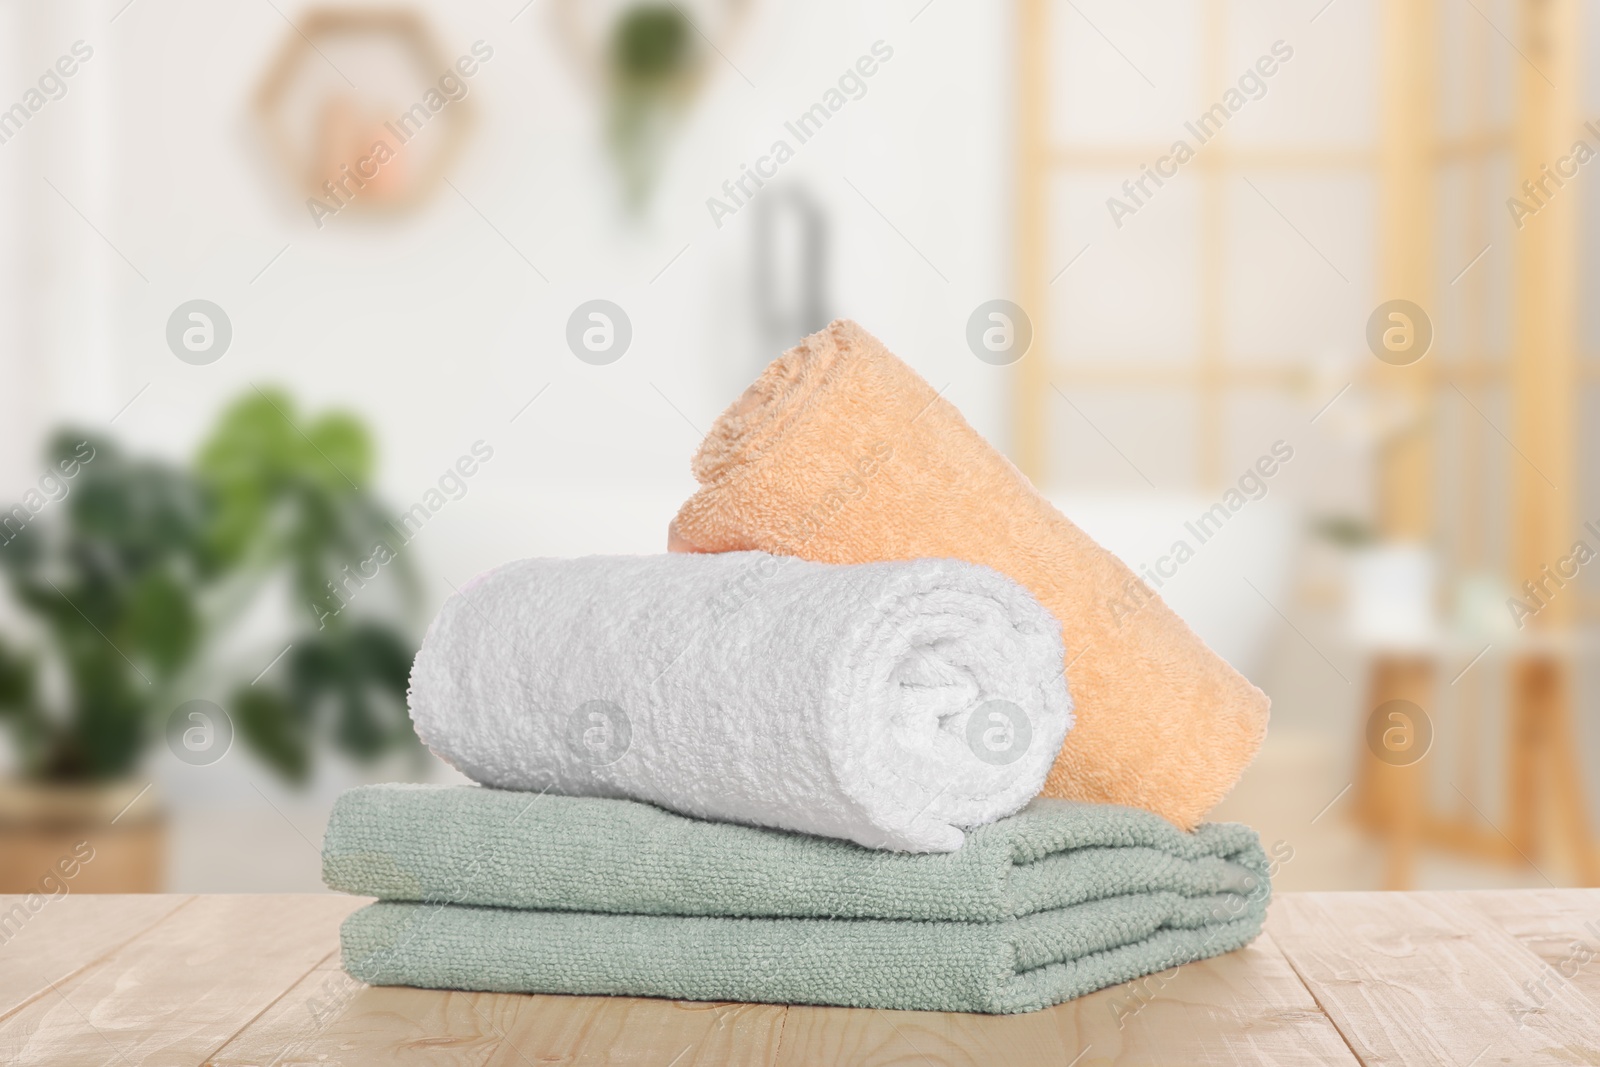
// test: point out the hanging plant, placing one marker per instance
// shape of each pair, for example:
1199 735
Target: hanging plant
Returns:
646 60
652 65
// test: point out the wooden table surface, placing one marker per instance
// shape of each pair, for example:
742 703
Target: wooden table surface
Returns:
1473 978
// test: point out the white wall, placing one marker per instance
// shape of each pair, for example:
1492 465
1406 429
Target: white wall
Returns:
430 326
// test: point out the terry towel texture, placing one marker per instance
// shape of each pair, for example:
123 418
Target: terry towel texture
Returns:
597 896
472 845
841 453
889 704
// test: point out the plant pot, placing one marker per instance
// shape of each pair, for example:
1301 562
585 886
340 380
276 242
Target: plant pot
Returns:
69 838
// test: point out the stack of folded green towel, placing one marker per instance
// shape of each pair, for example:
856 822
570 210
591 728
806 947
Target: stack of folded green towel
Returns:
485 889
862 737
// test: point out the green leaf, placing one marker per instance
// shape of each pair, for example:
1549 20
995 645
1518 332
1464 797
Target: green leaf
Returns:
133 515
651 44
17 676
254 433
340 441
110 710
160 621
20 709
141 558
270 726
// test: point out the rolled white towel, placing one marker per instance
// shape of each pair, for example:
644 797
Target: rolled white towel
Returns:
888 704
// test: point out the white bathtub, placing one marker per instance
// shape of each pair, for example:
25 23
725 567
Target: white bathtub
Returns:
1212 591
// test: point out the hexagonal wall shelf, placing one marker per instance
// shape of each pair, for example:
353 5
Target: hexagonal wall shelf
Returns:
364 109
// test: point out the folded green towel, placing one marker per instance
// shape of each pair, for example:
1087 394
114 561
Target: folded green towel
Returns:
518 892
1015 966
473 845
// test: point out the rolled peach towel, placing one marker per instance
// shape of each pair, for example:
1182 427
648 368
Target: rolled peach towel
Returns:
841 453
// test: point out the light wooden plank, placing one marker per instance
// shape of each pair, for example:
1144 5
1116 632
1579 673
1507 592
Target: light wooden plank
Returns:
281 1033
605 1030
1545 303
870 1038
1431 977
182 988
1247 1007
1561 927
1406 247
329 1019
64 935
1426 978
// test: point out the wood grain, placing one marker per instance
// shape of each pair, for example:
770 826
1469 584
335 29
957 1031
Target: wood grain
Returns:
330 1019
1339 978
181 988
604 1030
64 935
291 1024
1560 926
857 1037
1245 1007
1427 978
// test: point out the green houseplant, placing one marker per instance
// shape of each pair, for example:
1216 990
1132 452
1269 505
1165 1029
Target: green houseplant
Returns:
651 65
136 585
